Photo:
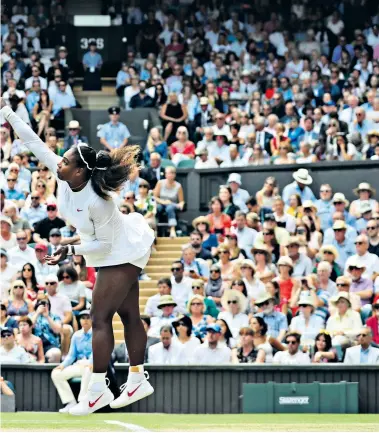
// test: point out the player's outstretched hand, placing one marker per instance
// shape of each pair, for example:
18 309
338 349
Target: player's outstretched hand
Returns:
57 257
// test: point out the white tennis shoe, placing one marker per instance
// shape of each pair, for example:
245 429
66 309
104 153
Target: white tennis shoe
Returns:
132 392
92 402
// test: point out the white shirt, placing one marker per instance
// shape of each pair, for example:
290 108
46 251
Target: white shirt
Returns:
309 332
188 350
240 198
205 355
60 304
370 262
181 292
18 258
225 130
238 162
129 92
158 322
29 82
236 322
73 291
254 290
17 355
215 151
288 219
10 243
6 278
43 270
160 355
246 238
285 358
108 237
209 163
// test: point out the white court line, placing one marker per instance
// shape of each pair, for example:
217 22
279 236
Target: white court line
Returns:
131 427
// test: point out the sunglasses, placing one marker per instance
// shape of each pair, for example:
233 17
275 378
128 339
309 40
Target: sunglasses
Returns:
283 148
224 252
143 186
181 324
27 269
268 233
196 287
55 236
238 283
263 304
6 335
304 306
375 307
362 335
292 342
339 230
66 277
176 269
41 186
328 252
43 169
293 245
341 285
50 283
18 287
371 228
232 302
11 180
215 271
354 268
196 304
35 198
50 208
21 239
325 190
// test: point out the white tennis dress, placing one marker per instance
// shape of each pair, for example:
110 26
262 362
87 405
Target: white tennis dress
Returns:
107 236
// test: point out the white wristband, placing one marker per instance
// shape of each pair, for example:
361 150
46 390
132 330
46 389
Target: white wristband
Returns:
69 252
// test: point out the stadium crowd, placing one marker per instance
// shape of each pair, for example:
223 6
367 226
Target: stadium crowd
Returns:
285 274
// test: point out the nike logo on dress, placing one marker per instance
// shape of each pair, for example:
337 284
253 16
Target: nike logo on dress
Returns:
92 403
130 394
79 210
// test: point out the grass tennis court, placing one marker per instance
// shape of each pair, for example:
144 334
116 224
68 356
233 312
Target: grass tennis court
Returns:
47 421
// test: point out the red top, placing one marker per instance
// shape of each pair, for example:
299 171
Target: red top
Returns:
91 276
225 220
189 149
373 323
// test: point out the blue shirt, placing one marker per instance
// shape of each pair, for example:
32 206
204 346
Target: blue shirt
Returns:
361 225
295 135
61 100
114 133
43 330
324 212
80 347
93 60
364 355
323 311
293 188
345 250
199 266
275 322
34 214
14 194
121 77
31 100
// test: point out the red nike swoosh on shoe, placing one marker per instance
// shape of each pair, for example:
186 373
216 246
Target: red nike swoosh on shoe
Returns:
79 210
92 403
130 394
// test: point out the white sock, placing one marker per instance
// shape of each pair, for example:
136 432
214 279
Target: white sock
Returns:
97 382
136 374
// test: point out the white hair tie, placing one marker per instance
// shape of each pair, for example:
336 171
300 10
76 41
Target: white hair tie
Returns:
100 168
81 156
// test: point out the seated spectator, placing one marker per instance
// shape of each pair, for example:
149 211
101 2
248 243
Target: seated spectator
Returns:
247 352
37 211
155 144
220 222
181 285
287 283
31 343
240 196
70 286
193 267
307 323
196 309
292 356
6 387
7 321
78 363
323 351
43 227
262 260
227 266
343 284
196 243
254 286
62 101
373 322
210 241
263 341
19 224
210 352
210 304
183 330
364 352
236 253
364 258
329 253
218 150
141 99
302 263
151 307
183 148
215 287
168 351
74 135
41 267
10 353
169 196
226 196
48 327
29 277
365 192
18 304
167 305
234 304
22 253
324 282
13 192
343 245
8 239
42 111
276 322
87 274
273 237
366 214
345 323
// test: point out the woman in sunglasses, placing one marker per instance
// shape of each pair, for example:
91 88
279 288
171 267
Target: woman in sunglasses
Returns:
234 304
18 304
44 193
117 244
188 342
28 276
43 173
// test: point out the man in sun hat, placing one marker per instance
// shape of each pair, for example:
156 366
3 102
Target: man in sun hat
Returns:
240 196
277 324
344 246
365 192
167 305
351 232
74 136
204 117
302 263
365 209
341 204
364 257
300 186
203 161
210 352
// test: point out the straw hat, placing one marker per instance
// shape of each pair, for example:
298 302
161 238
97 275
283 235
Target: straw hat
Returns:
341 295
308 204
305 299
166 300
247 263
6 220
285 261
204 101
339 197
364 186
364 207
373 133
294 240
339 225
330 248
302 176
231 295
200 220
264 298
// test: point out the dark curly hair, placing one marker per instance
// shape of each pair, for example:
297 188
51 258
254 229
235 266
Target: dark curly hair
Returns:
107 170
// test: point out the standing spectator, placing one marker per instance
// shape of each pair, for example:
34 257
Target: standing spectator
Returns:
364 353
292 356
78 363
74 136
114 134
209 352
92 63
168 351
302 263
10 353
